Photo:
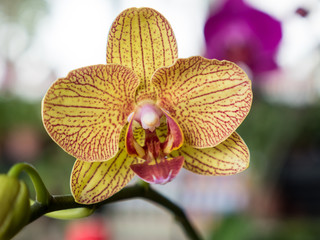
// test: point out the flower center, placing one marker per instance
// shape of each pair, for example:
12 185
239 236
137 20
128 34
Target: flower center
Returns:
144 142
150 120
148 115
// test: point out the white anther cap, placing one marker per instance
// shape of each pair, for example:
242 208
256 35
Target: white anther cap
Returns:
150 120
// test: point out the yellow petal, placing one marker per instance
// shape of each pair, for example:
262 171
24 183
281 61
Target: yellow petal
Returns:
142 39
229 157
96 181
208 98
85 112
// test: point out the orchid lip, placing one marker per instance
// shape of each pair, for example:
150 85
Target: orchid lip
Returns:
162 180
159 171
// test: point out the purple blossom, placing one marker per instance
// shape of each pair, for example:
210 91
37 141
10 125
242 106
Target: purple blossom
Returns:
242 34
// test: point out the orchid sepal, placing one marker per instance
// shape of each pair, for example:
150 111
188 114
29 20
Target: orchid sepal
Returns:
93 182
229 157
143 40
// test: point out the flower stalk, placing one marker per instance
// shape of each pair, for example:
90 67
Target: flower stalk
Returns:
42 194
62 202
65 206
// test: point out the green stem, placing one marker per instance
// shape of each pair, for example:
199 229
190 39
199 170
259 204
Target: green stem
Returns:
47 204
42 194
136 191
180 215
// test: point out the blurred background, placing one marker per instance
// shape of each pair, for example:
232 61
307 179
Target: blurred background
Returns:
278 45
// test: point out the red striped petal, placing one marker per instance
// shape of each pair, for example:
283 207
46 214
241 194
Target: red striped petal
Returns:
142 39
229 157
208 98
93 182
85 112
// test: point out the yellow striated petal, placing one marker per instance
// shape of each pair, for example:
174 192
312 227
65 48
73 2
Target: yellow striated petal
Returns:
229 157
142 39
208 98
85 112
96 181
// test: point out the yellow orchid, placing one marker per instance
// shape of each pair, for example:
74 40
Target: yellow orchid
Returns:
146 112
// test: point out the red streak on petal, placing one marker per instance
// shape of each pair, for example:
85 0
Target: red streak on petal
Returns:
175 132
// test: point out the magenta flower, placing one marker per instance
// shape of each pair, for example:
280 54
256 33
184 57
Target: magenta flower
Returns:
242 34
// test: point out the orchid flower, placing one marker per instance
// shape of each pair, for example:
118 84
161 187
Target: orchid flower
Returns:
146 112
240 33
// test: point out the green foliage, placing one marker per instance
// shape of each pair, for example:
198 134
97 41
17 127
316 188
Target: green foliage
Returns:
271 130
241 227
235 227
16 112
52 161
